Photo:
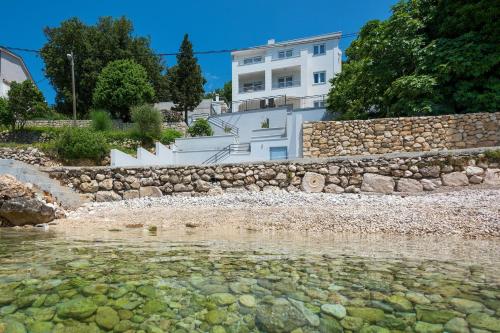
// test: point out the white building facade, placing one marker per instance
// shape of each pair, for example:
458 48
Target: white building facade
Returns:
294 69
12 69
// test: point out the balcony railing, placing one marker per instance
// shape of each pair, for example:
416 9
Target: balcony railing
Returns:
297 103
252 89
288 84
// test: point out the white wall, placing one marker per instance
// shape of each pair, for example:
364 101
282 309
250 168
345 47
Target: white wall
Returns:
304 62
11 70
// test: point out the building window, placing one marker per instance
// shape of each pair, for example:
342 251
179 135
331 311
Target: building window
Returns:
253 86
285 54
286 81
319 104
252 60
278 153
319 49
319 77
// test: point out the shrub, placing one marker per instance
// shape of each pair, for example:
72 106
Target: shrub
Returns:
169 135
148 122
5 115
81 143
200 127
265 123
101 120
493 155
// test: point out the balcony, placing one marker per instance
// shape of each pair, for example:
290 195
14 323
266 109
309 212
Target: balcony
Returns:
252 88
286 84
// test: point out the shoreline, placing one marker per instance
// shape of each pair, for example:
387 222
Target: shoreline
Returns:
468 213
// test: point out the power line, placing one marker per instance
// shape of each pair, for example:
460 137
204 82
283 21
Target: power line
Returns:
19 49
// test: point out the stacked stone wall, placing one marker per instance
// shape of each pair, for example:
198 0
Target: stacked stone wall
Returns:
387 135
409 172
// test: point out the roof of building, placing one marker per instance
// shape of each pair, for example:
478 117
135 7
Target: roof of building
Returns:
203 107
311 39
18 57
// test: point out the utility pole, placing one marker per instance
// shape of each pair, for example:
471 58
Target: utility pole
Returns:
72 59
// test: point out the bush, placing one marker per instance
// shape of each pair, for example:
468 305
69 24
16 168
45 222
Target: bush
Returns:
5 115
148 122
169 135
81 143
200 127
101 120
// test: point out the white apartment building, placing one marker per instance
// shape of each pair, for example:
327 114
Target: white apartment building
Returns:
12 69
293 69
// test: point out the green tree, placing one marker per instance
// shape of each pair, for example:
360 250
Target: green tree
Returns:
5 116
121 85
24 102
148 122
186 80
225 93
429 57
94 47
200 127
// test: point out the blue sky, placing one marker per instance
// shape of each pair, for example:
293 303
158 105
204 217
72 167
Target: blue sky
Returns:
216 24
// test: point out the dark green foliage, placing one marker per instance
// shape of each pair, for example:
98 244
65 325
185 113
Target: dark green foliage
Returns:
81 143
95 46
4 112
493 155
169 135
429 57
101 120
200 127
148 122
186 80
25 102
121 85
225 93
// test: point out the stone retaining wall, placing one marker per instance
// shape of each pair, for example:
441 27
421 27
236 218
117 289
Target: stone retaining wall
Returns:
412 172
30 155
387 135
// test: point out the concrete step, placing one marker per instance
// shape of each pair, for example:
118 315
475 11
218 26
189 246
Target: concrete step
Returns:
27 173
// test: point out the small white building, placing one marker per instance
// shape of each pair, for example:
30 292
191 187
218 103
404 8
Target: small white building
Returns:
294 69
12 69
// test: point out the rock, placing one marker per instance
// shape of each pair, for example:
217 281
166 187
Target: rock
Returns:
455 179
214 317
106 317
267 174
311 318
312 182
332 188
201 186
147 291
41 327
473 171
457 325
106 184
368 314
105 196
153 306
351 323
432 171
279 317
483 321
409 185
24 211
95 289
435 316
150 191
248 301
492 177
430 184
123 326
131 194
13 326
79 308
476 179
377 183
466 306
423 327
89 187
329 325
11 188
223 298
336 310
374 329
417 298
399 303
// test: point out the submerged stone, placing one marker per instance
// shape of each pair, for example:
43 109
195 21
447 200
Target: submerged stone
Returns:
106 317
41 327
423 327
153 306
371 315
80 308
147 291
466 306
328 324
223 298
95 289
336 310
374 329
279 317
13 326
311 318
248 301
400 303
214 317
435 316
457 325
484 321
351 323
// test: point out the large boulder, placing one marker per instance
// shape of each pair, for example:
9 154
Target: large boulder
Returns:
373 182
409 185
150 191
23 211
104 196
11 188
455 179
313 182
492 177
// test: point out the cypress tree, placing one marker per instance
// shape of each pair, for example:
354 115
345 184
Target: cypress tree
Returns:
186 80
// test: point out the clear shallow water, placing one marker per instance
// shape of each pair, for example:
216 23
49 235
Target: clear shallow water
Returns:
226 281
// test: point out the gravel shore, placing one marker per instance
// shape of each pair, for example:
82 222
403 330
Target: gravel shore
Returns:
468 213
